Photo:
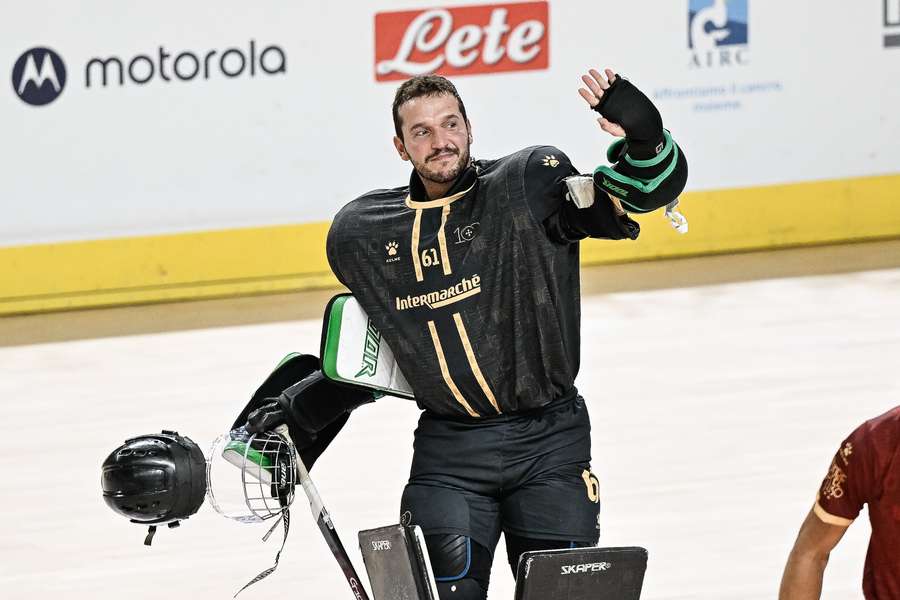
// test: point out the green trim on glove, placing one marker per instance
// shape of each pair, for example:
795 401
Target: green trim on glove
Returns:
652 162
645 187
285 359
614 152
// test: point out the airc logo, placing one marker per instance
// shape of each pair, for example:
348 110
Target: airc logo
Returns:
718 32
39 76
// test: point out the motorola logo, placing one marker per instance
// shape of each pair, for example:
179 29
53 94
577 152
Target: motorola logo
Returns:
39 76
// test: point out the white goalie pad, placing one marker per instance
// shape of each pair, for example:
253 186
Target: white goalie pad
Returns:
354 352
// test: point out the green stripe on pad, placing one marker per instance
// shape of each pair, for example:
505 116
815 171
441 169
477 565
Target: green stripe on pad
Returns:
241 455
333 338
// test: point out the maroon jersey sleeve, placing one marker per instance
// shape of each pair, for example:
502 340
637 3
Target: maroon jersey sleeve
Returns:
850 481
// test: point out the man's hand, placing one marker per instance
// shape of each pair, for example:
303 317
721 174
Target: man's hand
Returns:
307 407
267 417
597 84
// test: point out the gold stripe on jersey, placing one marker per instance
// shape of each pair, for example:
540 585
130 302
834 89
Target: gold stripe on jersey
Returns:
827 517
416 205
442 241
416 230
473 362
445 371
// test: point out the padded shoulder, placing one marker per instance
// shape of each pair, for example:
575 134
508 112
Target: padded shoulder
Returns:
372 201
546 169
355 221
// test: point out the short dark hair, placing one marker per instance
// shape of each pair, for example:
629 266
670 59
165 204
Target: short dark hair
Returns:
423 85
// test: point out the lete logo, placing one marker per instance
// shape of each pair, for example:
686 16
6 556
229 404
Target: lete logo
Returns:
39 76
461 41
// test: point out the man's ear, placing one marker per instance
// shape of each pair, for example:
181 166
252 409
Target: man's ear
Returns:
401 149
469 127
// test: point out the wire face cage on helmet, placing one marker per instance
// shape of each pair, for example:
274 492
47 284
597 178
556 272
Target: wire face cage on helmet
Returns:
163 478
262 485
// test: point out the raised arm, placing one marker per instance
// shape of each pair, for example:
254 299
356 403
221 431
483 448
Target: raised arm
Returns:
649 169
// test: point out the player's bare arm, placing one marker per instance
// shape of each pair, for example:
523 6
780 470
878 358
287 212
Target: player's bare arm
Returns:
802 579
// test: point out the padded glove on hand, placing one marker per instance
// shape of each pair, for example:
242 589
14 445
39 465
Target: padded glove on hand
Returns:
626 105
307 408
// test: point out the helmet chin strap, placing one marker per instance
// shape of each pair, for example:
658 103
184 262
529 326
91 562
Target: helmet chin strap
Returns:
151 531
285 519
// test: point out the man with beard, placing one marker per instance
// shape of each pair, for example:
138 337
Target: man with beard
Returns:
471 274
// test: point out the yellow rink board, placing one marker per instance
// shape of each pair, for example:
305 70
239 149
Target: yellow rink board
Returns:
133 270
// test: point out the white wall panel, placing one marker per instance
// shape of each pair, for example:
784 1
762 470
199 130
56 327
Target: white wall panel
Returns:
820 97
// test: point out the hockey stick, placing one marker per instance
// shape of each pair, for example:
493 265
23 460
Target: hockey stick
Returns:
326 526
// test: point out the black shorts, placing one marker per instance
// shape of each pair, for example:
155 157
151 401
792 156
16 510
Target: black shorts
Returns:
527 474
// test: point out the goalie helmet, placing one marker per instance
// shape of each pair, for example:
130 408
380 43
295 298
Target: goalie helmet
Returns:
155 479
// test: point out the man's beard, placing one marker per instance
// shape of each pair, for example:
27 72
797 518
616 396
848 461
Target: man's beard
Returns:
427 173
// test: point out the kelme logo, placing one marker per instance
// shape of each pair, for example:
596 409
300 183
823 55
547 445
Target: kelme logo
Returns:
39 76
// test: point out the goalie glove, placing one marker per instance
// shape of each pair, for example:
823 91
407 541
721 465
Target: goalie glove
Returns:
649 169
297 395
307 407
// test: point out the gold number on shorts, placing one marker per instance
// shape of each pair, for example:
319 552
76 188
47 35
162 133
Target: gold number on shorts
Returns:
593 485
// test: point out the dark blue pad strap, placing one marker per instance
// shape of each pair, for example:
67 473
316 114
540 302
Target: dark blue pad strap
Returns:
462 567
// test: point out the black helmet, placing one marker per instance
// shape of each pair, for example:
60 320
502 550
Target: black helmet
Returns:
155 479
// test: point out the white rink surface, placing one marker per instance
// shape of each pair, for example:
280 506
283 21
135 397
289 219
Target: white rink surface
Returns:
716 410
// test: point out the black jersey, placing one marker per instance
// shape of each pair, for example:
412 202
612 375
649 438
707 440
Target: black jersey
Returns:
480 306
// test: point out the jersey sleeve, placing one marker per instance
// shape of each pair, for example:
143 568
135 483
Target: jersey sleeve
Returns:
545 186
850 480
563 221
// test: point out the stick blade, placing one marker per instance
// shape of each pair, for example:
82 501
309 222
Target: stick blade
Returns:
581 574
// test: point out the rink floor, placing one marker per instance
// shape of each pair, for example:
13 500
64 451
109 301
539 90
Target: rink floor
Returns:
719 389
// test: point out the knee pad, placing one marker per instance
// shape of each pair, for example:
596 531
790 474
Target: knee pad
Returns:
462 567
464 589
